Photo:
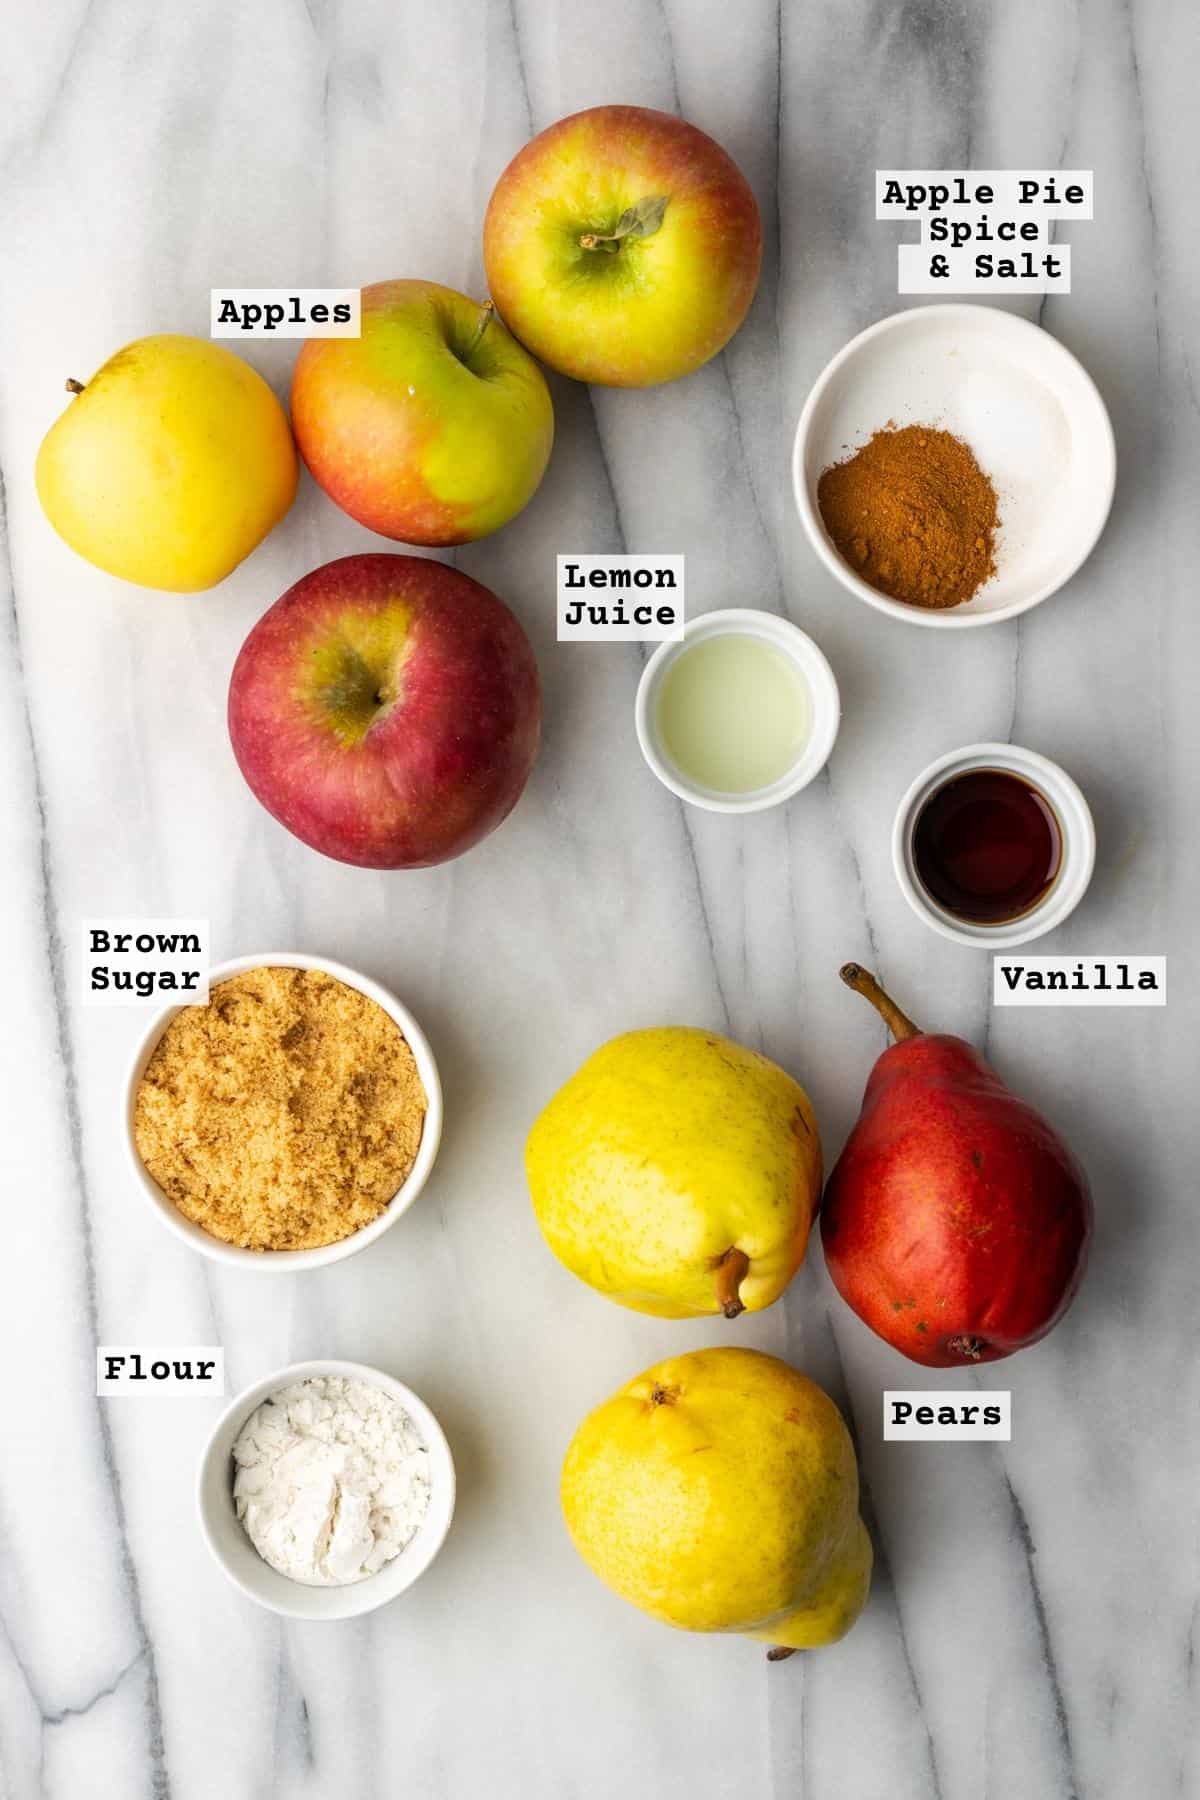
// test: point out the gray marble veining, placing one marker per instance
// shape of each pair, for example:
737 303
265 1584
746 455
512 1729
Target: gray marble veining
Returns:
1032 1632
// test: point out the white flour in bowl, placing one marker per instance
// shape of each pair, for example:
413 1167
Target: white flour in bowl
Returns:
332 1480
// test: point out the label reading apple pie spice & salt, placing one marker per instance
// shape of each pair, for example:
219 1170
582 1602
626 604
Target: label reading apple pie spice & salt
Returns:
620 599
946 1416
986 231
285 312
141 962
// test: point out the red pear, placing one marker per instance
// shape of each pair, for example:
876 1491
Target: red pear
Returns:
956 1222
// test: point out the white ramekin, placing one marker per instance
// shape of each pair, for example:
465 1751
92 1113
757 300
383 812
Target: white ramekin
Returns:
1077 858
231 1547
818 678
285 1261
927 365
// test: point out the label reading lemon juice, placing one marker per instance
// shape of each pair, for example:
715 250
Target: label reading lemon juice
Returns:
620 599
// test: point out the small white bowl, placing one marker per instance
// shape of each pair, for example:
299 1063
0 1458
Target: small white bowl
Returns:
818 678
227 1538
1027 408
1077 857
285 1261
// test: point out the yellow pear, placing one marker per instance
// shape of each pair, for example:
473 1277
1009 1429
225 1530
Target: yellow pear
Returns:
169 465
678 1173
719 1492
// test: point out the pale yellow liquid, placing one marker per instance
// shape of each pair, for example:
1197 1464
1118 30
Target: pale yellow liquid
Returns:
733 713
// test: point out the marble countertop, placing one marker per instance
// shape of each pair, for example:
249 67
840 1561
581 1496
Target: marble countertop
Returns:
1032 1632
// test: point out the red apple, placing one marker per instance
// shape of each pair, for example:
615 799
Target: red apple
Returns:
434 426
386 709
623 246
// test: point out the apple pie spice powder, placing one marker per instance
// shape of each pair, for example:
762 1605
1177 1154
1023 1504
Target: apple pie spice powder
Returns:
914 515
285 1114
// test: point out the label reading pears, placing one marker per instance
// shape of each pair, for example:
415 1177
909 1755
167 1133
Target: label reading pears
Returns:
946 1416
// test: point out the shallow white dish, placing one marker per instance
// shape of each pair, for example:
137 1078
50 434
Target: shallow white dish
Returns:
1077 852
1028 409
818 678
287 1261
231 1547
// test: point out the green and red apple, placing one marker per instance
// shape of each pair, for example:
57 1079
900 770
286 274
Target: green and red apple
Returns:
434 426
623 246
386 710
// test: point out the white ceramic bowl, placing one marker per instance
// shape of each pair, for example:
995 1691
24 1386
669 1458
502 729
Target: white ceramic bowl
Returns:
285 1261
226 1536
818 678
1077 855
1030 412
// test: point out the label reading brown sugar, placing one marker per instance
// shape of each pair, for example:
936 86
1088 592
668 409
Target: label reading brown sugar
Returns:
138 962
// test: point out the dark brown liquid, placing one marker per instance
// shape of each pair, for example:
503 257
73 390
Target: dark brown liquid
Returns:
987 846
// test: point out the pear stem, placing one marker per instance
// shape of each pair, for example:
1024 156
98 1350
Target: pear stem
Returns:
732 1269
73 386
864 983
780 1653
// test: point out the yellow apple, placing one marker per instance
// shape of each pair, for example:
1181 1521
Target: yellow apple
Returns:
622 246
434 426
170 465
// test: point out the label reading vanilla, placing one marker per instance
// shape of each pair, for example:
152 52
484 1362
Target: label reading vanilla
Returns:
941 1416
1079 981
134 962
150 1369
620 599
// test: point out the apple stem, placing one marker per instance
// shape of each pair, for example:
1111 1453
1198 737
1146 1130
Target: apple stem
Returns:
780 1652
864 983
732 1269
485 319
73 386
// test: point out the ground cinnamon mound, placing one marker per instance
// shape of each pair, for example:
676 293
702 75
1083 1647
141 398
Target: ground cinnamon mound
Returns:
914 515
285 1114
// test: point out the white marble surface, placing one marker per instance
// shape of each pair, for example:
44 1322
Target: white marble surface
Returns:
1032 1630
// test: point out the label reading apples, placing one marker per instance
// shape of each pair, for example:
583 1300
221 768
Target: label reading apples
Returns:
1079 981
939 1415
620 599
133 962
285 312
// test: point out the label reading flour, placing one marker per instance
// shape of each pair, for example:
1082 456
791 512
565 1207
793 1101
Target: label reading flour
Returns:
149 1369
285 312
619 599
936 1416
131 962
1079 981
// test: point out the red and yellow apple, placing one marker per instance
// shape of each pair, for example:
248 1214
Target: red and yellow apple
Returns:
622 246
386 710
434 426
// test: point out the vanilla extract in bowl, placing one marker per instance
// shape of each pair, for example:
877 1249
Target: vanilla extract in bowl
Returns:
987 846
